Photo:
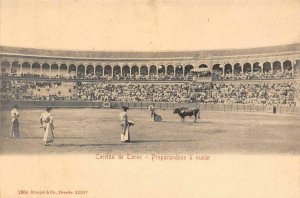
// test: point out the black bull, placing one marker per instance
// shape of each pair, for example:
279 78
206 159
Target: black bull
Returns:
183 112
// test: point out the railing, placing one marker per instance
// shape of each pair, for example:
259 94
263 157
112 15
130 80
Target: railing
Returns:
175 79
100 79
45 103
278 109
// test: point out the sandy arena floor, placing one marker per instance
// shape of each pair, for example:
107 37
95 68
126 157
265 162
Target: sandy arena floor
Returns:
98 131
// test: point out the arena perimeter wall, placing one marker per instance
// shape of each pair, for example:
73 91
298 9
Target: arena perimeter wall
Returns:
158 105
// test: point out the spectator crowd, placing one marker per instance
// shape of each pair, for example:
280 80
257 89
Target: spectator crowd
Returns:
267 93
216 75
274 92
35 90
134 92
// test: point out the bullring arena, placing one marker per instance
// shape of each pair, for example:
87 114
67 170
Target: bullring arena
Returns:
248 99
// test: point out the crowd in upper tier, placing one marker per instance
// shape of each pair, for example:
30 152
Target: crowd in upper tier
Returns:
254 76
216 75
117 77
281 92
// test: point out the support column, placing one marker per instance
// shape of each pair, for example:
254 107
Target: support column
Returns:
292 68
130 68
271 64
223 70
10 68
85 68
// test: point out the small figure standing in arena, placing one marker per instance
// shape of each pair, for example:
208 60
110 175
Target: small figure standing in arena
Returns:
152 110
125 124
154 116
15 122
46 122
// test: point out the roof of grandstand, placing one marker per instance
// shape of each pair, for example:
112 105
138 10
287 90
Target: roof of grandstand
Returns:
148 55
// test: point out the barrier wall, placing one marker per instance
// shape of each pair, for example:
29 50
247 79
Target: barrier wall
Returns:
57 104
158 105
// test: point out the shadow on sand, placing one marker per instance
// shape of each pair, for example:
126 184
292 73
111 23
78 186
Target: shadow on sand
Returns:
185 122
154 141
122 144
85 145
41 137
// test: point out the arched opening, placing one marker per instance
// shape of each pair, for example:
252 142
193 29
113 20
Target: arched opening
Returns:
99 70
25 68
203 66
81 71
287 65
90 70
107 70
161 70
237 68
188 69
276 67
228 69
256 67
54 69
217 70
153 70
134 71
72 71
15 68
266 67
45 69
36 68
117 71
5 67
179 70
63 70
247 68
144 70
287 68
126 71
170 70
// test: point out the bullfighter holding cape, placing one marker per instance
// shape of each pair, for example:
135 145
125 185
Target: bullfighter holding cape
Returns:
46 121
125 124
15 122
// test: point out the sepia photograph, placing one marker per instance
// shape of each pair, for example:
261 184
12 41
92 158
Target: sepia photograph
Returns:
88 87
